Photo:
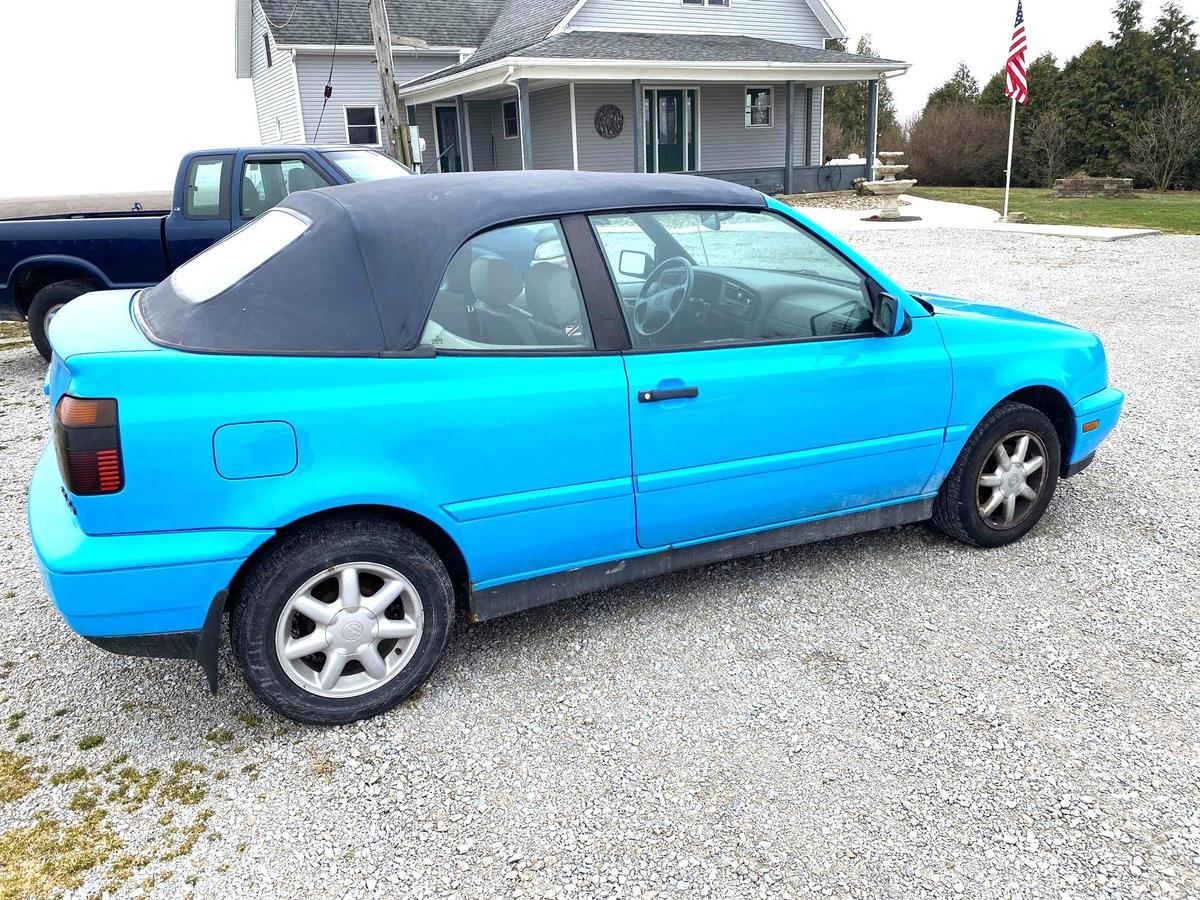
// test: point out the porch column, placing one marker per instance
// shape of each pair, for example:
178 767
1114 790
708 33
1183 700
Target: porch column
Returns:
789 150
525 126
464 139
808 126
639 129
872 125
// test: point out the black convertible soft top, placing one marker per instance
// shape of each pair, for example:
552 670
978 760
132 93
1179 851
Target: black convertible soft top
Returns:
362 277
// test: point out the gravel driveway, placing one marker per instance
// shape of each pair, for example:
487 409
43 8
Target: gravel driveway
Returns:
886 715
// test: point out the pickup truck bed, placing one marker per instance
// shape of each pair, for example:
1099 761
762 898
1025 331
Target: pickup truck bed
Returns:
76 204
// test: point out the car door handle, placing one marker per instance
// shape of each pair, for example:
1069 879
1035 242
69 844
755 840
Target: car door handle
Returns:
683 393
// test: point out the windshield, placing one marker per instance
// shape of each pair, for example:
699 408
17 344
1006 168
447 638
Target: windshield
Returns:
365 165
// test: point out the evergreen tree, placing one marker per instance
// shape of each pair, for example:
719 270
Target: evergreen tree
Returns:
846 109
961 88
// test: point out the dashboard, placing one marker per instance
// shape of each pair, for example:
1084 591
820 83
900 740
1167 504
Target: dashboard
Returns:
734 304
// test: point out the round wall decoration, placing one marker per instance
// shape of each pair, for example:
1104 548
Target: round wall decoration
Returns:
609 121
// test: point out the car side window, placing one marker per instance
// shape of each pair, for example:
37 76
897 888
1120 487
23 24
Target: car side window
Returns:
699 277
512 288
265 182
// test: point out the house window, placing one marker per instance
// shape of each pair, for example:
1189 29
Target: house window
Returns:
705 2
362 125
758 107
512 122
267 47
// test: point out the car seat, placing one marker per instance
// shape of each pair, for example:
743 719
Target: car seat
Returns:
553 302
496 283
252 201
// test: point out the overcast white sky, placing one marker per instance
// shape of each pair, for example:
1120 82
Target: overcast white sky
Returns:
103 96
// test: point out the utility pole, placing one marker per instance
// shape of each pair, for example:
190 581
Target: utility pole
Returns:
395 128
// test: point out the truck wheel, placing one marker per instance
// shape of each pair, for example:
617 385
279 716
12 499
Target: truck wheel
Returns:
46 303
342 619
1003 480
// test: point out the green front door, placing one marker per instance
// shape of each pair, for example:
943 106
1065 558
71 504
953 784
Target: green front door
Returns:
670 130
448 145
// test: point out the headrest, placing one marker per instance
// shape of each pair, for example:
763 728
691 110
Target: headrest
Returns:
302 178
551 296
495 281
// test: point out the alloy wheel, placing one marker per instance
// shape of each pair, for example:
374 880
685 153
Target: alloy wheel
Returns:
349 629
1011 480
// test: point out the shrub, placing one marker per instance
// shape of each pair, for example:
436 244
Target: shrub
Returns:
958 144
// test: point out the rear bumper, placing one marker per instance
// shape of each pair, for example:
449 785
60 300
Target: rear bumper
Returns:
160 589
1099 413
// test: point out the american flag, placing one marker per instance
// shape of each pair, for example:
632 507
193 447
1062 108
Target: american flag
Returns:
1017 87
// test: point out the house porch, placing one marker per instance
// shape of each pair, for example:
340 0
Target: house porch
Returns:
767 135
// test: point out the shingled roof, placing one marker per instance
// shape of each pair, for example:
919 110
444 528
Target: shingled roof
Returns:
447 23
698 48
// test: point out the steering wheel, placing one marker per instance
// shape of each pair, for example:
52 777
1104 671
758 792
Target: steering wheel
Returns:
663 296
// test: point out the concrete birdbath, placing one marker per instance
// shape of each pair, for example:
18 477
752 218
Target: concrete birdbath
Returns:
888 189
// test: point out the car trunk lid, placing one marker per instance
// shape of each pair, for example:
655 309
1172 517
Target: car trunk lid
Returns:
100 322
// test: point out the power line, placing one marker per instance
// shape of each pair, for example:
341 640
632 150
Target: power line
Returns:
262 9
337 16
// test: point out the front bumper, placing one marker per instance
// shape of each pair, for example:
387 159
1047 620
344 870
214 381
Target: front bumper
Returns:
1097 412
156 592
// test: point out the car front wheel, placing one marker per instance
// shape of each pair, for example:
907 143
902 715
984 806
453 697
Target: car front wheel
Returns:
342 620
1003 480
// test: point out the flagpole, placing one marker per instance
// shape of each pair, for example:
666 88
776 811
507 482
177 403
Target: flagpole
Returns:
1012 130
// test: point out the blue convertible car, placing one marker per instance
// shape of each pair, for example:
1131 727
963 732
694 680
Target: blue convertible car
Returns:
378 402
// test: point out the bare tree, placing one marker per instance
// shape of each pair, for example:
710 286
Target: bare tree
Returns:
1046 142
1166 140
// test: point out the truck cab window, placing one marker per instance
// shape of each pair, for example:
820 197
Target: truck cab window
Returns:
265 182
204 195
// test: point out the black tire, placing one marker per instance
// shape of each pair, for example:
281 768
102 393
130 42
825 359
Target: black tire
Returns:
47 301
300 556
956 509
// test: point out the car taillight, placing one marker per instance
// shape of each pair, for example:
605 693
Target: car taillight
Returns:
88 445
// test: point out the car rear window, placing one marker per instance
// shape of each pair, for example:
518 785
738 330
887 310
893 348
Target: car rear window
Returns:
230 260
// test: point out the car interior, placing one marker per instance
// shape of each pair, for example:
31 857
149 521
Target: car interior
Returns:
509 289
770 283
265 183
684 279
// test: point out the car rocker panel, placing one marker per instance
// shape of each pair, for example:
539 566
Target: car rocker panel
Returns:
545 395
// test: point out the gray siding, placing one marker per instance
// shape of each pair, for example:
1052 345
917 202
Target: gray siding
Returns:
550 111
274 89
507 150
595 153
480 114
818 135
355 83
726 142
781 20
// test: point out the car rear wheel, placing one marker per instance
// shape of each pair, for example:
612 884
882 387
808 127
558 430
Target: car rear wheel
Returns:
45 306
1003 480
342 620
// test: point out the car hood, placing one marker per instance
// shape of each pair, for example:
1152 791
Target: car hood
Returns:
956 306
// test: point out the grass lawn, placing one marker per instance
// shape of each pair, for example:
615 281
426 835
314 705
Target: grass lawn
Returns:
1177 212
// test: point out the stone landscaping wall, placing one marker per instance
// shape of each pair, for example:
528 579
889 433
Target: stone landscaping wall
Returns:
1082 185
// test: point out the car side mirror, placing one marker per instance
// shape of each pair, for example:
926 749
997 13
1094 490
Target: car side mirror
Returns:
885 313
635 263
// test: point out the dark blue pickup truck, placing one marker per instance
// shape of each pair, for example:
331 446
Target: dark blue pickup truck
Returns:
45 262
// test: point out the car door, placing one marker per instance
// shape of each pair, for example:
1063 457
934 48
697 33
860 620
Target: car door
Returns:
536 472
767 397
